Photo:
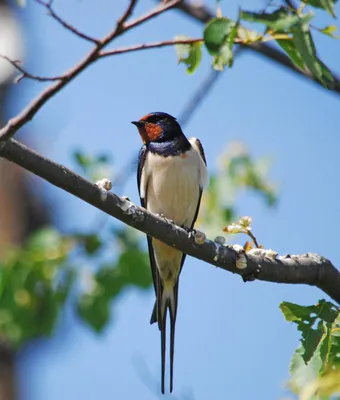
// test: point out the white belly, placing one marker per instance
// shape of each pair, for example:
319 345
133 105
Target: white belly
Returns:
173 186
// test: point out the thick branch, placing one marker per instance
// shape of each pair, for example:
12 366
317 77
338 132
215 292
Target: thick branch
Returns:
203 14
309 269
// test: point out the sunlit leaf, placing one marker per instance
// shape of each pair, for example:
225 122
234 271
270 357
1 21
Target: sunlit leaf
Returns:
216 33
329 31
312 322
189 54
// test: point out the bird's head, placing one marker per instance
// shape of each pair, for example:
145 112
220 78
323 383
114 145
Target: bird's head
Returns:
158 127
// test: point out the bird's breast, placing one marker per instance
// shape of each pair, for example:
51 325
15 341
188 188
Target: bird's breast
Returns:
173 185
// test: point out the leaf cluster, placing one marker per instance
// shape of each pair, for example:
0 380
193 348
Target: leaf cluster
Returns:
315 365
291 29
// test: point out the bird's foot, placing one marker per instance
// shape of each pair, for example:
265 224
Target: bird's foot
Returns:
191 231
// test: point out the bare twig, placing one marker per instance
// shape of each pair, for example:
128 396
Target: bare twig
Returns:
309 269
25 74
54 15
250 234
122 26
146 46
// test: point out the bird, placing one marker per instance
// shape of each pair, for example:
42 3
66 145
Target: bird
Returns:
171 176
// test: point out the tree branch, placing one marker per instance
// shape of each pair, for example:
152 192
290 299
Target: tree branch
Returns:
25 74
309 269
203 14
66 25
145 46
122 26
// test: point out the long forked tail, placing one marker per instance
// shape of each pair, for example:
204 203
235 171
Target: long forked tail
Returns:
166 299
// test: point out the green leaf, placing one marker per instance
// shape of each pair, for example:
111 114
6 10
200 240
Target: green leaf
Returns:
329 31
311 321
289 47
189 54
216 33
325 360
278 20
305 45
327 5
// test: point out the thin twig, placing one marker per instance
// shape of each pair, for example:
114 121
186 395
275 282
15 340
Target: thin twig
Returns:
25 74
71 28
249 233
146 46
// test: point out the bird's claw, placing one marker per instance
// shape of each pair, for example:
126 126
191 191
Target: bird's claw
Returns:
191 232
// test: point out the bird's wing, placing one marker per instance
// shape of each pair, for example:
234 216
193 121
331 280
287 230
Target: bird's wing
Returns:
159 312
142 182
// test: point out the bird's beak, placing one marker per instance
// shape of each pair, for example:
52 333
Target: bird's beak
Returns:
138 123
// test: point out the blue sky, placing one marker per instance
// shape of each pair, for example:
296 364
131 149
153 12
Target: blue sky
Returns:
232 340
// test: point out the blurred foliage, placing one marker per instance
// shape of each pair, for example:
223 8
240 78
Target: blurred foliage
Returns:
291 29
94 167
131 269
34 284
237 171
315 365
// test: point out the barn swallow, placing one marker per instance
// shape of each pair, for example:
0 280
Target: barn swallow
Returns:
171 176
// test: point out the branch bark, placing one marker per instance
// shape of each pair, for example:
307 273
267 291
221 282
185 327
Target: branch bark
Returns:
309 269
203 14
